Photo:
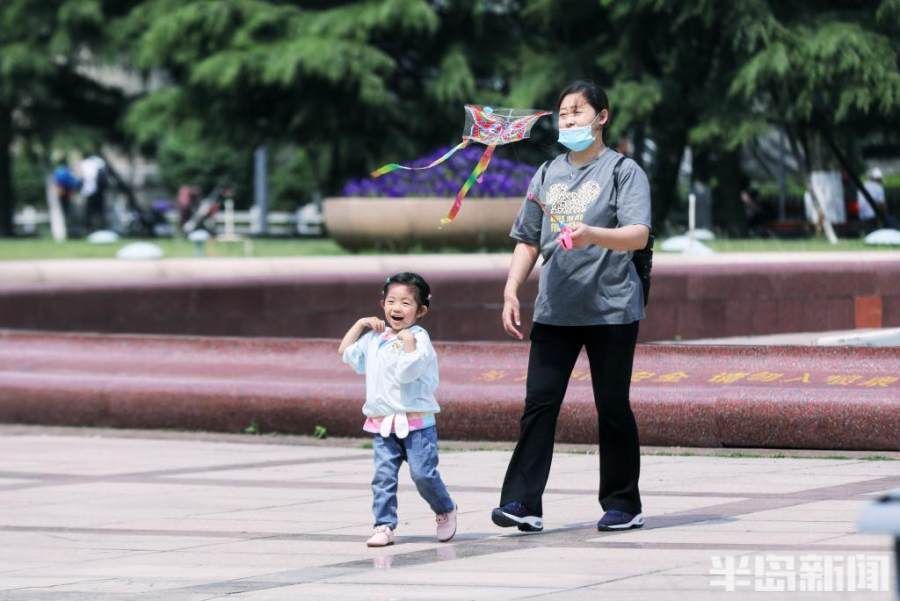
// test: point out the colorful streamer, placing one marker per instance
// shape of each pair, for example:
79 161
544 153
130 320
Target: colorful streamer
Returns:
479 169
394 166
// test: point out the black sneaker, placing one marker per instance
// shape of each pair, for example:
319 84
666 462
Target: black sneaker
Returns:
619 520
516 514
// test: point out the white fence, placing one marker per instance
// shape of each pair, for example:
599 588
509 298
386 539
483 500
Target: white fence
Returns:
305 221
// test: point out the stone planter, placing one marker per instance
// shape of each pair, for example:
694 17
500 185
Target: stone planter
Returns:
403 223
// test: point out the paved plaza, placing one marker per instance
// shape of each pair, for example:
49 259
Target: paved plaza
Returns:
103 516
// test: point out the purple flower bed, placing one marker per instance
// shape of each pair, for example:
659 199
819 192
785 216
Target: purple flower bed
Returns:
503 178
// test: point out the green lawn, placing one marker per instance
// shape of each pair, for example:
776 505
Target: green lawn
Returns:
804 245
45 248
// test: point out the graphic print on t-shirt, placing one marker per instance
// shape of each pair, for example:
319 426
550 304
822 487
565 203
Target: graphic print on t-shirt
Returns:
569 206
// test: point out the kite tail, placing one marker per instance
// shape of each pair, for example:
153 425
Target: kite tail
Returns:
394 166
479 169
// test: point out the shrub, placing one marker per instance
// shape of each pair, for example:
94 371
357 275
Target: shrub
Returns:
503 178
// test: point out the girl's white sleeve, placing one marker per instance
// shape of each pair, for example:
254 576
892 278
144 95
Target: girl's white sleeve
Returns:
411 366
355 354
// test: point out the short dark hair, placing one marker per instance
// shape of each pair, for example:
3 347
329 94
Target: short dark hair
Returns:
594 94
415 281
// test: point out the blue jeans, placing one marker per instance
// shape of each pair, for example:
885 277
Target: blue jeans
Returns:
420 450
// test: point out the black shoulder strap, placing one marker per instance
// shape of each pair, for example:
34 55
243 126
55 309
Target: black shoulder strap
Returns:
615 178
544 172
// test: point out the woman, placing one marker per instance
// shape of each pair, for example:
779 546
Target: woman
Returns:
589 297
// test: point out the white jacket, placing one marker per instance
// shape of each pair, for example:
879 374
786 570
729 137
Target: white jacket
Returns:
396 381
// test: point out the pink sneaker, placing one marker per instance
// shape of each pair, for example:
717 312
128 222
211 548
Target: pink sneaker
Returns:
382 537
446 525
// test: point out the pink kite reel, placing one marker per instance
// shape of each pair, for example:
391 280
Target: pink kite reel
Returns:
565 237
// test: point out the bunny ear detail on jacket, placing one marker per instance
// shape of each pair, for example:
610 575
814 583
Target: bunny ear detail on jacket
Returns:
386 425
401 425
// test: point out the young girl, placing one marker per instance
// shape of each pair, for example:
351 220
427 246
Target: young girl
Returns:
401 372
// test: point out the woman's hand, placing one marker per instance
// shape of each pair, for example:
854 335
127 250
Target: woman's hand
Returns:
374 323
627 237
523 260
511 319
582 235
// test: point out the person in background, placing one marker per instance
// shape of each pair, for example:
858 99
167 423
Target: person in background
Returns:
755 210
93 190
66 185
875 187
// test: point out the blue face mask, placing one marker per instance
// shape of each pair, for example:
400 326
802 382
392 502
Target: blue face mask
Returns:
577 138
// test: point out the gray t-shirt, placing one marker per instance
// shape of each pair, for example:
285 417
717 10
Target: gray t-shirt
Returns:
593 285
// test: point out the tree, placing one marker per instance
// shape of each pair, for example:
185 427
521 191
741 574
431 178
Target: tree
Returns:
46 96
715 76
335 87
243 74
665 65
826 75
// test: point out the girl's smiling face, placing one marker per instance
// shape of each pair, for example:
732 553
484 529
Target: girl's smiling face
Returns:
401 307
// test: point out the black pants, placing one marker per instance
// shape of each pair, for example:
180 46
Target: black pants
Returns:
554 350
96 212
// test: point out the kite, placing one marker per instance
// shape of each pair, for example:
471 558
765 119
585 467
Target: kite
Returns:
486 125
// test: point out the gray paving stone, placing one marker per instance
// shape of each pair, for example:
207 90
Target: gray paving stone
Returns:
183 518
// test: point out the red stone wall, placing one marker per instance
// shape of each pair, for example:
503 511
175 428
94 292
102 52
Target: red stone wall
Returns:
687 301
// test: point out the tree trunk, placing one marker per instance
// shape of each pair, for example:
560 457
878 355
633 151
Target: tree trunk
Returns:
851 173
639 140
664 180
728 211
805 165
124 186
7 200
